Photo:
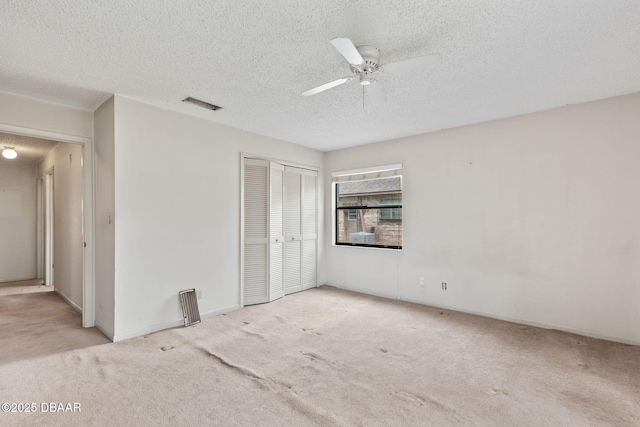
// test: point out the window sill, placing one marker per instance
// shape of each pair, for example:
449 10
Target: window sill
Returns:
351 245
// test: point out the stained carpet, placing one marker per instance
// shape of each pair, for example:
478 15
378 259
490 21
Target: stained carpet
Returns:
335 358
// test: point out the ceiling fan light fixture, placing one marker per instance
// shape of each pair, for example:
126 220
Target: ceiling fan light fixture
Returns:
365 78
9 153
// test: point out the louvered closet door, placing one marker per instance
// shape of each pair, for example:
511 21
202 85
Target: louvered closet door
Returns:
256 209
276 232
293 230
309 228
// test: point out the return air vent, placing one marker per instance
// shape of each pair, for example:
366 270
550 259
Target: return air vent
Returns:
190 310
201 104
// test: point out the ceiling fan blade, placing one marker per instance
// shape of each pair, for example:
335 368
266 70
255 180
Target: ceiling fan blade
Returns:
326 86
375 92
348 50
419 62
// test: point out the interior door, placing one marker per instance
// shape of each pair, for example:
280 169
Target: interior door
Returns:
293 230
276 232
255 226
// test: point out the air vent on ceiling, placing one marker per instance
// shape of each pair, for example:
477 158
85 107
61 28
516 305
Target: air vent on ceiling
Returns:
200 103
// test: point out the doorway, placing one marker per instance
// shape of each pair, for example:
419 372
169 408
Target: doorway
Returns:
279 223
84 217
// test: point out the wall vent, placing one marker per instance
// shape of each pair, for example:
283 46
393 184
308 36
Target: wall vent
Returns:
201 104
190 310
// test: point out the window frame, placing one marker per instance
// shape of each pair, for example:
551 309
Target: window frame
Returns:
337 208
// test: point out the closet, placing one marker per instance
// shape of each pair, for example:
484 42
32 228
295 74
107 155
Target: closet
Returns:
280 230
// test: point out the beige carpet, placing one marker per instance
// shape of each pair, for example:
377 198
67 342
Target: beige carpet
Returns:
40 324
330 357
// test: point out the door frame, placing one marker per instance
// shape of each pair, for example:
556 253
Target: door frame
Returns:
88 219
49 218
243 156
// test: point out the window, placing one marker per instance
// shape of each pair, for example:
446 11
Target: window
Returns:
391 214
368 209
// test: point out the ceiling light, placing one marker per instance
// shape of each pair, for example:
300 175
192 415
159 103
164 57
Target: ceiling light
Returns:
9 153
365 78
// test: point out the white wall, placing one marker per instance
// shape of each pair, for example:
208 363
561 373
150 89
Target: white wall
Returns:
66 160
533 218
40 115
177 212
105 229
17 220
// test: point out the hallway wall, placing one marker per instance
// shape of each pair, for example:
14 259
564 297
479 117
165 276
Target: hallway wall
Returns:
17 221
66 159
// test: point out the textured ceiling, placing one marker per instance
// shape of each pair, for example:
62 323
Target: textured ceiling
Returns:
255 57
30 150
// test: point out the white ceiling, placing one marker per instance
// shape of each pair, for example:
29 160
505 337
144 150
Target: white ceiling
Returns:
254 58
30 150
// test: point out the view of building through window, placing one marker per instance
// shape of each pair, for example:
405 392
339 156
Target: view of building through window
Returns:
369 213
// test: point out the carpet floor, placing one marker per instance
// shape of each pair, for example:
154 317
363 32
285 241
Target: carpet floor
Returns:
33 325
328 357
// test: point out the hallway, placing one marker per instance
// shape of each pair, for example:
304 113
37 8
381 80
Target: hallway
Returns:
41 323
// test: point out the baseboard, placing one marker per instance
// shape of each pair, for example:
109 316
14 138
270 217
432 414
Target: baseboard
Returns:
527 322
71 303
104 331
5 280
219 311
168 325
375 294
149 330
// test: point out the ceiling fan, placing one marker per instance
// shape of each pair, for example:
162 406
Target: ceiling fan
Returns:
364 63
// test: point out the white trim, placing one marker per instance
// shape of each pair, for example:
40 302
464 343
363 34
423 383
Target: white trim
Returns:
354 175
375 172
40 227
49 221
241 299
37 133
88 224
542 325
533 323
104 332
75 306
244 155
375 294
173 324
372 248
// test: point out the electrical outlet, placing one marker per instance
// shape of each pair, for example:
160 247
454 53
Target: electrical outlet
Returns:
199 294
422 281
444 286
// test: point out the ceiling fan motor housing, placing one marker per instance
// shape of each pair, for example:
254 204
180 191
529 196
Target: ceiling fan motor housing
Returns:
371 57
